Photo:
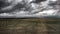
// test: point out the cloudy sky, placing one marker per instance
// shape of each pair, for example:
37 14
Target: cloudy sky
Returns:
31 8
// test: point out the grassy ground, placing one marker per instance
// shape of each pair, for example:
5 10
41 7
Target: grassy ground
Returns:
30 26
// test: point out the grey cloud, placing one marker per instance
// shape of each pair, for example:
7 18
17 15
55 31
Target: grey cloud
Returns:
23 9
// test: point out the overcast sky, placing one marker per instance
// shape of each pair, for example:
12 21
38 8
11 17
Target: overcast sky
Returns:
30 9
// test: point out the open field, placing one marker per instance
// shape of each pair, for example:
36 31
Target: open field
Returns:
30 26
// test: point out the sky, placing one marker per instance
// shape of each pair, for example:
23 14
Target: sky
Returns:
30 9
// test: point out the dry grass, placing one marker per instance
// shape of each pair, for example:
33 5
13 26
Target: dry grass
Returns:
30 26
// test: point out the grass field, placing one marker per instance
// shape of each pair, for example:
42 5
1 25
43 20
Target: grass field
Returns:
30 26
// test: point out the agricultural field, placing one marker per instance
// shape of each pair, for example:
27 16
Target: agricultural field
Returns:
30 26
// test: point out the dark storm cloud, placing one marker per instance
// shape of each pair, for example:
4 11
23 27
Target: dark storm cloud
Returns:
28 8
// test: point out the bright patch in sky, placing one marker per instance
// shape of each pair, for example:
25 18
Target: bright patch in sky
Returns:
53 0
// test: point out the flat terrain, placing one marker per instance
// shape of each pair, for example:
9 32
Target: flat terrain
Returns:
30 26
